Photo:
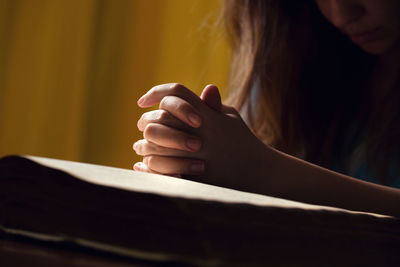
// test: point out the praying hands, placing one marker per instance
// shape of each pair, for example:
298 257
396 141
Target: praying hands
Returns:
197 136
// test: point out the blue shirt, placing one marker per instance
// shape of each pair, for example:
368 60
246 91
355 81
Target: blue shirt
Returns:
355 165
364 174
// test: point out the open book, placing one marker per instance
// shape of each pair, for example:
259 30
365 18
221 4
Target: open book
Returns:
167 219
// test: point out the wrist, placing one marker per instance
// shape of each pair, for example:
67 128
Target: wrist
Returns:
264 168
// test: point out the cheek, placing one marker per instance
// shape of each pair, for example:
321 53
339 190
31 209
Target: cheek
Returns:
388 39
376 48
324 8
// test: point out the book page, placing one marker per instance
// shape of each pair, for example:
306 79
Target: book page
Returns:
170 186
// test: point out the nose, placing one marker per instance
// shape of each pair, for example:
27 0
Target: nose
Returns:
343 12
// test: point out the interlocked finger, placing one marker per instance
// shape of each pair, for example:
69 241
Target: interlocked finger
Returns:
145 148
166 136
181 109
141 167
162 117
171 165
157 93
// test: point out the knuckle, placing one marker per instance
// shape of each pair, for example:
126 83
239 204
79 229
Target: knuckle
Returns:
159 150
146 148
164 102
153 89
138 146
150 161
150 130
163 116
143 148
140 150
176 88
174 104
182 107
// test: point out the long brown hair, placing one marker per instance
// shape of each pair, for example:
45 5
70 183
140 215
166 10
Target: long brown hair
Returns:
300 83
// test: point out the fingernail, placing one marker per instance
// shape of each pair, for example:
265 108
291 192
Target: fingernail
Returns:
135 146
194 119
140 101
197 167
193 144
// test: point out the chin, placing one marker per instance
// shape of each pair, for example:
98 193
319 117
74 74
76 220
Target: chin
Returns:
376 48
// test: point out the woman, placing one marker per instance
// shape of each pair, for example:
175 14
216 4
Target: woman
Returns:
317 83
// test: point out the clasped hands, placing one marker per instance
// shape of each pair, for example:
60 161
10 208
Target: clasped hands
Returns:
197 136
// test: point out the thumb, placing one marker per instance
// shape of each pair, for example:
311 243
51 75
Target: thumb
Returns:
211 97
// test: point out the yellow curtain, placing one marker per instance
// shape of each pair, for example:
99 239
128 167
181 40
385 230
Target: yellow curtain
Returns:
71 71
